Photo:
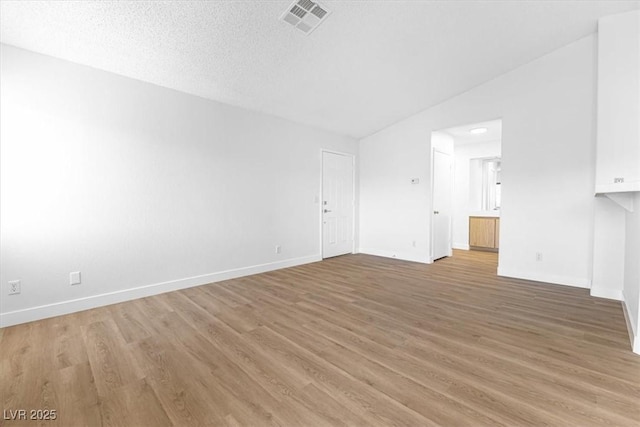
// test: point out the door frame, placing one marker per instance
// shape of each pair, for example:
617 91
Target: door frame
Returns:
353 204
431 230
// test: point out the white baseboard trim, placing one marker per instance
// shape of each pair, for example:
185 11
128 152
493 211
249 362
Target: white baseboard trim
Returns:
606 293
94 301
633 334
463 246
390 254
577 282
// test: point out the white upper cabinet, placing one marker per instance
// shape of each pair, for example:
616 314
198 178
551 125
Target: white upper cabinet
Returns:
618 145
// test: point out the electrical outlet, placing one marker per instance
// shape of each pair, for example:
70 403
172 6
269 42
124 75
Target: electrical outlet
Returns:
538 256
278 249
74 278
14 287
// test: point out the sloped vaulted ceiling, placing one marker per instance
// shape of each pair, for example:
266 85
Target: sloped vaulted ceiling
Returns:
370 64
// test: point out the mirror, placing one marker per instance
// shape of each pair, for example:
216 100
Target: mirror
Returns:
484 184
491 195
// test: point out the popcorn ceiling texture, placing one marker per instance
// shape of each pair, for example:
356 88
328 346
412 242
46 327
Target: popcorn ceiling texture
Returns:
369 65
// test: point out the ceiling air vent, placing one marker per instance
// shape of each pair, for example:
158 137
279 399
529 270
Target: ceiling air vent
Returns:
305 15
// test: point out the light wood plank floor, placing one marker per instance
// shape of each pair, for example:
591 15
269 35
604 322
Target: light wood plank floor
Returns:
354 340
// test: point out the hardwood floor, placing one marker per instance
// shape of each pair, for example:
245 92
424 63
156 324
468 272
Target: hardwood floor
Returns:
354 340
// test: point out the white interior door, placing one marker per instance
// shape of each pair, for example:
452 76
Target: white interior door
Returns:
442 205
337 204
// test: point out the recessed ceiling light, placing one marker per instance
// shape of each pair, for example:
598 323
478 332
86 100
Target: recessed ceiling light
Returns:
478 131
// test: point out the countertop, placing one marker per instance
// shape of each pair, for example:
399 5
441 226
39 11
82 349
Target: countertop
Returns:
486 214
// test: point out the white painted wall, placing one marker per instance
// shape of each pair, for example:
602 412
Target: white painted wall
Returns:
462 191
442 142
548 142
631 291
608 249
135 185
394 212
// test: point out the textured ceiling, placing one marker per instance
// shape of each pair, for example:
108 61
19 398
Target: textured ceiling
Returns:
369 65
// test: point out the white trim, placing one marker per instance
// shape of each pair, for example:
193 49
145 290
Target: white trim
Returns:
631 329
94 301
577 282
462 246
391 254
353 203
606 293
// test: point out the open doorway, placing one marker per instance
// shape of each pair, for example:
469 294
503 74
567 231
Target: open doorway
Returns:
473 205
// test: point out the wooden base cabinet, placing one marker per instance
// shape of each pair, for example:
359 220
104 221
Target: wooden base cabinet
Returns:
484 233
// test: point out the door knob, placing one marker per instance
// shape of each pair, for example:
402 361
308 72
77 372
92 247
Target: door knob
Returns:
326 210
436 212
